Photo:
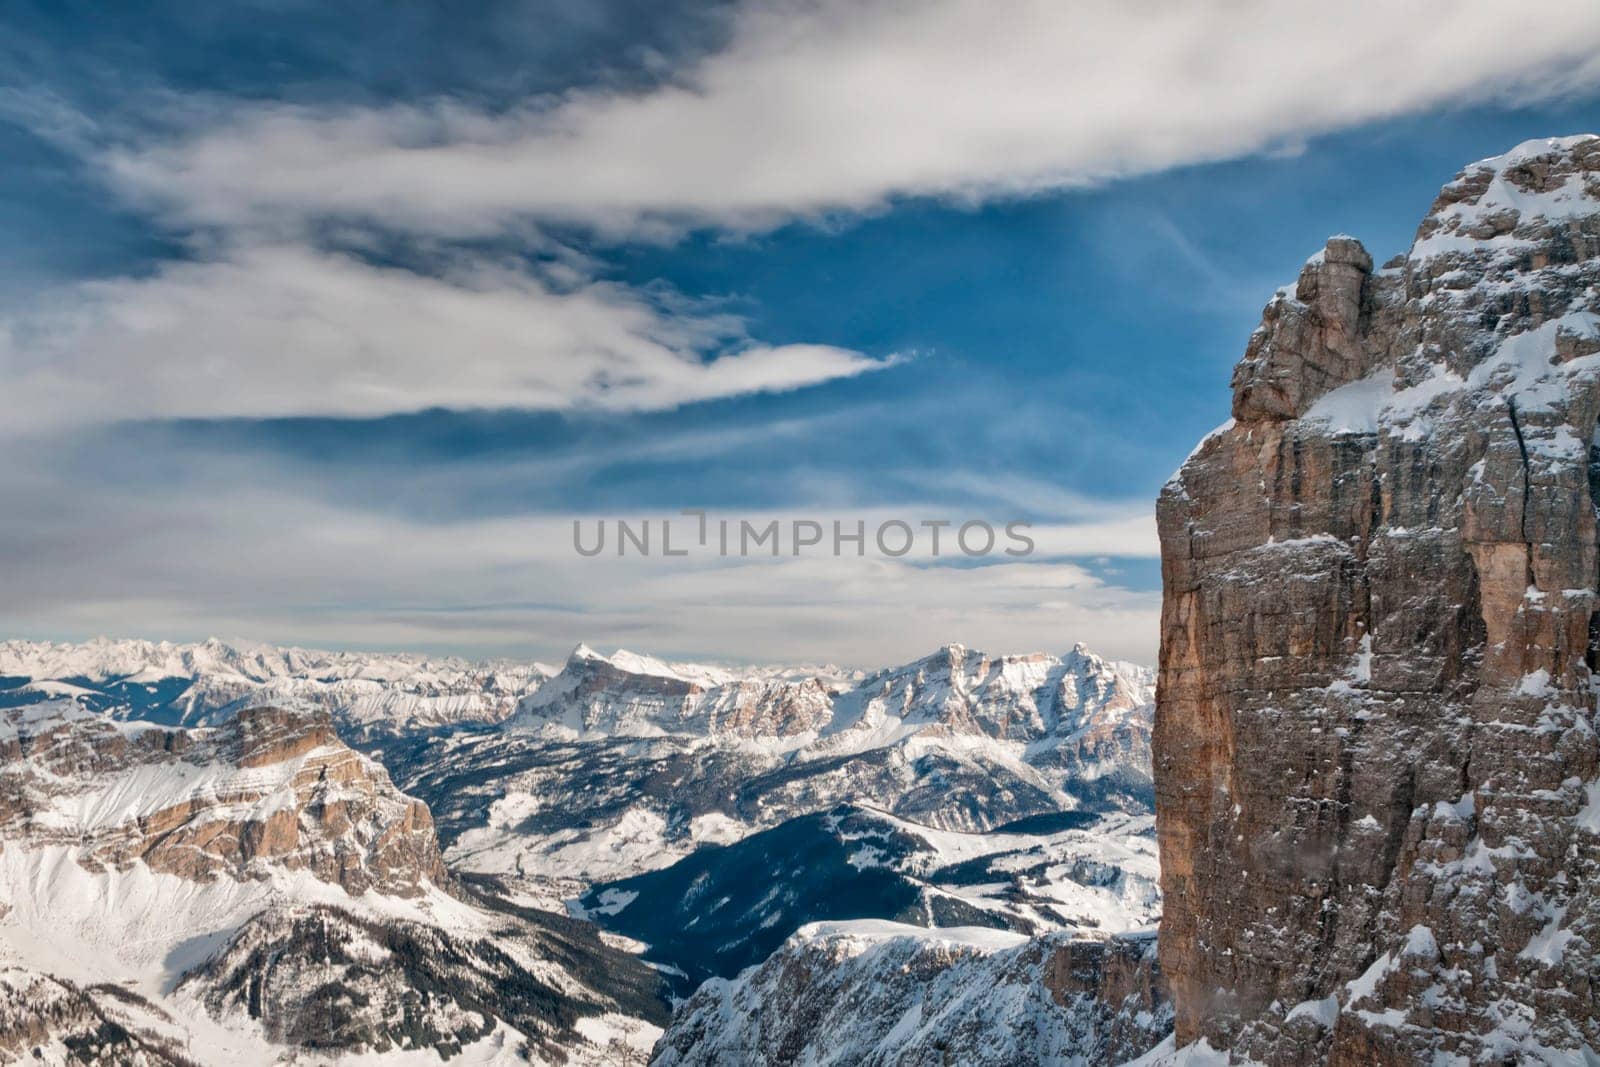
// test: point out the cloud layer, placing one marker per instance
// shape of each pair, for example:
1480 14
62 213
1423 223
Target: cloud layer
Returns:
354 261
217 553
290 329
291 302
818 106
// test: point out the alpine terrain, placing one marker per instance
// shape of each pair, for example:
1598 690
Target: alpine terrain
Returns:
217 853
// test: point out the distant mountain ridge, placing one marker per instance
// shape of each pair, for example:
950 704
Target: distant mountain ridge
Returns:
202 683
1016 698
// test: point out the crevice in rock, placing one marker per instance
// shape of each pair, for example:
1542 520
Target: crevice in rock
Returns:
1527 473
1592 653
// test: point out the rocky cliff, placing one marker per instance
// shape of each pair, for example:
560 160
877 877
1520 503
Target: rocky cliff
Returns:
874 994
1375 748
268 790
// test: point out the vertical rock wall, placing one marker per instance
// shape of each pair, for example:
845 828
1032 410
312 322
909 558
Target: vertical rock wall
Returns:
1375 748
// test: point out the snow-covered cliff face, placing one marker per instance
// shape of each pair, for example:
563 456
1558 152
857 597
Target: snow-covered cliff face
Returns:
267 791
863 994
203 683
1376 758
143 868
633 695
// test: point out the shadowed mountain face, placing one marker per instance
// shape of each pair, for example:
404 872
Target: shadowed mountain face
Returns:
724 908
1375 749
617 766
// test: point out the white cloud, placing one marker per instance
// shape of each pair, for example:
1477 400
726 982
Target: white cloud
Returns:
287 329
840 105
812 107
221 555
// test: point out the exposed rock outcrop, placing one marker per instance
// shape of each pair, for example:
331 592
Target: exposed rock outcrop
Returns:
872 994
269 789
1375 748
328 980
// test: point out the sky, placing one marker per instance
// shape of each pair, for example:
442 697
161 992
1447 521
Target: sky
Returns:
322 324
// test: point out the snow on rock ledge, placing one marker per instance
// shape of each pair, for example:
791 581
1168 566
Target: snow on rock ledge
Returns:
1391 728
268 790
859 993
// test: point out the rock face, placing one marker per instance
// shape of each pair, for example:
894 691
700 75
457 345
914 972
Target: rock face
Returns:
268 789
639 695
877 993
327 980
1375 748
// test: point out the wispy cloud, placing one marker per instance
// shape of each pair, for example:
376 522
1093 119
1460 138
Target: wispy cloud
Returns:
809 109
819 106
290 329
354 260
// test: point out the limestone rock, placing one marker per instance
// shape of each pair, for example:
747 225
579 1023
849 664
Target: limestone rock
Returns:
269 789
1375 749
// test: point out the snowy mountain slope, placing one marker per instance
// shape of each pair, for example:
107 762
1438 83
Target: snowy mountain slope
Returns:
724 908
48 1020
321 977
205 683
859 994
617 765
142 868
629 694
1008 792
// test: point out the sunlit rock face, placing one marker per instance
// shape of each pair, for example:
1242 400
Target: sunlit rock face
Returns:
1375 750
269 790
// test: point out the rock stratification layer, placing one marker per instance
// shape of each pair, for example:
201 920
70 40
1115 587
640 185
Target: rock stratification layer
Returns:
1375 749
269 789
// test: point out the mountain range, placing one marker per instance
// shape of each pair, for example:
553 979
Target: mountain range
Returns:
252 852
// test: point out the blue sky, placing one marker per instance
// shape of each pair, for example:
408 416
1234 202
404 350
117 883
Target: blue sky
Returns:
322 326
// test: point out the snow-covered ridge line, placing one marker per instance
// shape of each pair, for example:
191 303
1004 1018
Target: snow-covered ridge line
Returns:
1020 698
1012 697
839 994
192 684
